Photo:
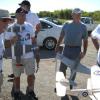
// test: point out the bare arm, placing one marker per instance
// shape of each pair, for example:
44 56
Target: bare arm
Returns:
96 44
14 39
38 27
59 41
33 40
10 42
85 45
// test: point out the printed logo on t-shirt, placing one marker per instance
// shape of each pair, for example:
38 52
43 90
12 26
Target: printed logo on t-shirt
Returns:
25 38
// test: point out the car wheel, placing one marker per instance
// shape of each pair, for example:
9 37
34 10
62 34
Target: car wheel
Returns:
50 43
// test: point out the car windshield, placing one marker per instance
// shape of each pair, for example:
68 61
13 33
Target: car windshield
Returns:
85 20
53 20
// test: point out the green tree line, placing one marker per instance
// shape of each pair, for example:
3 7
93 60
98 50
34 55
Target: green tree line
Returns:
66 14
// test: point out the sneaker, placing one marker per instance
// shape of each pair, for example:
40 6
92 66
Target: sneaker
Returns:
17 96
32 95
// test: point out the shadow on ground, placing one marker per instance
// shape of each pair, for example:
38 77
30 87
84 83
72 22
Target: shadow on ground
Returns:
45 54
69 97
24 97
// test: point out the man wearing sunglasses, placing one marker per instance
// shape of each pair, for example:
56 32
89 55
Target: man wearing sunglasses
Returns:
33 19
24 36
4 21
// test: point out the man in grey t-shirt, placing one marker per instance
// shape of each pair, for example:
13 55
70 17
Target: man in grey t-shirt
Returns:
75 36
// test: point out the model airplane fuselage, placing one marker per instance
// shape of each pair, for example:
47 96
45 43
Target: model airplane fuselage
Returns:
93 83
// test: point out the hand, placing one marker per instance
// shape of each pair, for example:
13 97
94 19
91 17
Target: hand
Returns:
14 39
82 54
37 58
37 55
57 49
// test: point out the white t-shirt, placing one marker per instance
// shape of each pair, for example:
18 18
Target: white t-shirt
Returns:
26 34
32 18
1 49
96 35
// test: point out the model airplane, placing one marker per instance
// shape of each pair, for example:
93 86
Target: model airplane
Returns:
93 83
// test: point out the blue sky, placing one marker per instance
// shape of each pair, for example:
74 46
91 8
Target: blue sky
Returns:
51 5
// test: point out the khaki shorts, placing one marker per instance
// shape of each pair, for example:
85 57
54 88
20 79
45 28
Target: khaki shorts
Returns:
28 65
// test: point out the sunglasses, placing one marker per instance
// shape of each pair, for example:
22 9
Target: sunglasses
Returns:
21 12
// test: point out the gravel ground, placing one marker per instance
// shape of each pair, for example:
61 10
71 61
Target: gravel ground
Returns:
45 78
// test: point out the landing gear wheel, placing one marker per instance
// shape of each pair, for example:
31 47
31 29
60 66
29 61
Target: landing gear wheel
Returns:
85 94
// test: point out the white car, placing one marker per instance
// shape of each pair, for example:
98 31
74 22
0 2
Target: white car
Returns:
49 34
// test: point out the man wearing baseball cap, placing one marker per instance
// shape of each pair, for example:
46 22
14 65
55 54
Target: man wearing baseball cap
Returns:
76 11
25 36
4 21
75 36
33 19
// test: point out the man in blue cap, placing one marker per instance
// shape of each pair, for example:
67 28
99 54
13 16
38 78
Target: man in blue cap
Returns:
75 36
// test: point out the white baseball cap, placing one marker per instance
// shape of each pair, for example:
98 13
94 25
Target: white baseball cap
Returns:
76 11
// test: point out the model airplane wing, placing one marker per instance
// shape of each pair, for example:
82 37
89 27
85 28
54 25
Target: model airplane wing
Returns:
70 63
88 90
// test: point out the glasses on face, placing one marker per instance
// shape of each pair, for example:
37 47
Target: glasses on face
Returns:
21 14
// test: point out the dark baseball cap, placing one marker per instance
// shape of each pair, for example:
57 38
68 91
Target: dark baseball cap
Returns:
20 10
25 2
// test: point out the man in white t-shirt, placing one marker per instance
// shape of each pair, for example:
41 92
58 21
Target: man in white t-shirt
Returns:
33 19
30 16
4 20
95 35
23 36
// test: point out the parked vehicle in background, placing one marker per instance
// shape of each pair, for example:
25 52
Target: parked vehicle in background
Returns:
54 20
49 34
90 24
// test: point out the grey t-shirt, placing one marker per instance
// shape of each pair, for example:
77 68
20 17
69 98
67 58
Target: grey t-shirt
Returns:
74 33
